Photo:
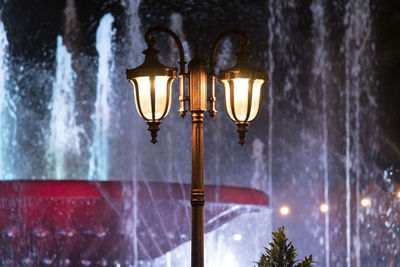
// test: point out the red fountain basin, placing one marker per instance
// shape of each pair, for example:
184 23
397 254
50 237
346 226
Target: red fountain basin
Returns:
82 223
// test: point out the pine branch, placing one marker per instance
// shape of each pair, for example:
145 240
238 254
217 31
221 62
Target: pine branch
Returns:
281 252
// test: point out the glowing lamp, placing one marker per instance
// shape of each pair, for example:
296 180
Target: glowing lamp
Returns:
237 237
242 92
365 202
152 89
398 195
284 210
324 208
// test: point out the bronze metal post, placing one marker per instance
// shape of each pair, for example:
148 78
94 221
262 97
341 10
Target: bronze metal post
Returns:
197 195
198 105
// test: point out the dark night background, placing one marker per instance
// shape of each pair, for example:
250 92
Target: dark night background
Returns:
32 28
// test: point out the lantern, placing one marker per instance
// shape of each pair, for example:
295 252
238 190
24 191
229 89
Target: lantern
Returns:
152 83
242 92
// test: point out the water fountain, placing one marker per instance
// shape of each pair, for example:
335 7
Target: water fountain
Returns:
7 113
98 164
317 139
63 140
321 74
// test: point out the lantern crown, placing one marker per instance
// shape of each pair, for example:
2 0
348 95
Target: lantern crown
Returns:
151 66
243 69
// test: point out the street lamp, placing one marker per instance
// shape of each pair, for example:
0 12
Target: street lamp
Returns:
152 92
242 91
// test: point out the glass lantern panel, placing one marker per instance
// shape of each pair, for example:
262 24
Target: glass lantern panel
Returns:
228 99
241 88
161 93
144 96
256 96
170 96
135 96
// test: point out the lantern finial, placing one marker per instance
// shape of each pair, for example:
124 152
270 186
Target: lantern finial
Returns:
242 129
154 127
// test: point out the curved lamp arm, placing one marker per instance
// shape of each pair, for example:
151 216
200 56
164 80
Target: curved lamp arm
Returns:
244 44
151 40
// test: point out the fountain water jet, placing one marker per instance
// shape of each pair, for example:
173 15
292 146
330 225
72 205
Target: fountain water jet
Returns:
321 76
63 140
98 163
7 113
357 46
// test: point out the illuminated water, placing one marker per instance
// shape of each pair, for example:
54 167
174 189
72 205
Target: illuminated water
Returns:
321 75
63 140
229 245
3 92
7 113
357 47
99 151
317 139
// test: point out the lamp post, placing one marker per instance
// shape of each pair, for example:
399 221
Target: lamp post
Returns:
152 92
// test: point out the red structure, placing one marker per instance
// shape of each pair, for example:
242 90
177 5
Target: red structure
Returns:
81 223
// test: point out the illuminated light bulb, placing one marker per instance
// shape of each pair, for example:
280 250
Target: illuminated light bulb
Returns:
324 207
365 202
398 195
237 237
284 210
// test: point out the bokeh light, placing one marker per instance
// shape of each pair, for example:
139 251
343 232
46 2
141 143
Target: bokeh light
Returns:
237 237
324 207
284 210
365 202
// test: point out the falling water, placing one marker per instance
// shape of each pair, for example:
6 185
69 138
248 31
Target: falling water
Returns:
63 140
357 47
348 189
274 32
223 61
321 75
175 125
173 173
224 245
136 45
3 97
98 164
176 25
259 179
7 113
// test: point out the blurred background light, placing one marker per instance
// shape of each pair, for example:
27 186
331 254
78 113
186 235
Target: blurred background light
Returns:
365 202
284 210
237 237
324 207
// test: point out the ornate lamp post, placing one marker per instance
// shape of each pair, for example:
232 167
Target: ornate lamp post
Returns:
152 92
